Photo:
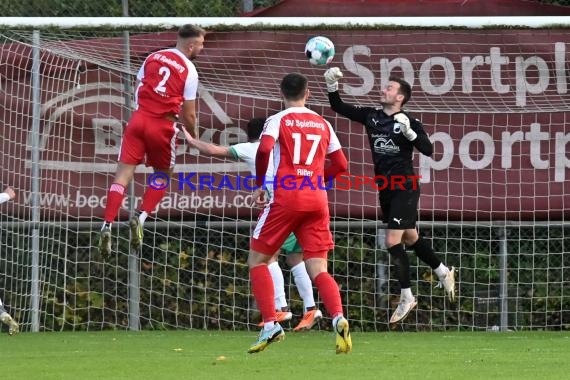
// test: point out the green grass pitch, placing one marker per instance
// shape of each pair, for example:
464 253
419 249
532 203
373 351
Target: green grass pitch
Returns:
311 355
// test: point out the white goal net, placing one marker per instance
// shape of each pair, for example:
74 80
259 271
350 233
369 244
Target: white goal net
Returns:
495 195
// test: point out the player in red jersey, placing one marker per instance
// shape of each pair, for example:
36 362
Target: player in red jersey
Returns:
165 94
300 140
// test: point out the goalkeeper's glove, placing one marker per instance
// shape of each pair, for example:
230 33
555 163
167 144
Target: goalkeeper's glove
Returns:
407 131
332 76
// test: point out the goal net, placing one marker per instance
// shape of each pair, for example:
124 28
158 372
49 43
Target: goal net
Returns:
495 194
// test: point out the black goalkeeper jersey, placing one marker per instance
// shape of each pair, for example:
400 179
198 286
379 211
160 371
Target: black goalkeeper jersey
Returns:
391 150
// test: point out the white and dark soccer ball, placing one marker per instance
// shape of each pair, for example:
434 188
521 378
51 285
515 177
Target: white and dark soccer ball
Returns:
319 50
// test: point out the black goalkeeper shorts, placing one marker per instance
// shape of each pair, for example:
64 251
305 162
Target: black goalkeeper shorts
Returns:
399 208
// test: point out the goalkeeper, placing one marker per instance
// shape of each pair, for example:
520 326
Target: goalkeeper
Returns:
246 152
393 134
6 318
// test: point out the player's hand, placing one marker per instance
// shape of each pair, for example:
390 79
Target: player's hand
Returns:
407 131
332 76
11 193
188 136
259 199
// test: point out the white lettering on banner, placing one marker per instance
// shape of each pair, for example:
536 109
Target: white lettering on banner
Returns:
534 138
174 201
532 74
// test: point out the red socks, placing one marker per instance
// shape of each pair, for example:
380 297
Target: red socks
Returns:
114 200
329 292
151 198
262 287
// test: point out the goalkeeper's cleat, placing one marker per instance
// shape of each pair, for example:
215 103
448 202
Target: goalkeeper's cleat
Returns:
280 316
403 309
13 327
276 334
310 318
343 339
105 243
136 233
448 283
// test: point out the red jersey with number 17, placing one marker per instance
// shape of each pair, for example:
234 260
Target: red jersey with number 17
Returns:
303 139
166 79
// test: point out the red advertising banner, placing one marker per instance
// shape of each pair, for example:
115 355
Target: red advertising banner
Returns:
494 102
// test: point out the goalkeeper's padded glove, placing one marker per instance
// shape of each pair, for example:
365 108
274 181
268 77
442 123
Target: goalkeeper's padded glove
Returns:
407 131
332 76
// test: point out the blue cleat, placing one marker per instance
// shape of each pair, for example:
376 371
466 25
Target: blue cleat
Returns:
276 334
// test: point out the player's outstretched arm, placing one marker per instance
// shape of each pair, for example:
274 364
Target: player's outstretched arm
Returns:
8 194
207 148
358 114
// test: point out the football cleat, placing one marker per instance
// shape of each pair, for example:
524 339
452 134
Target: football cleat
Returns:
280 316
276 334
13 327
343 339
310 318
136 233
403 309
448 283
105 243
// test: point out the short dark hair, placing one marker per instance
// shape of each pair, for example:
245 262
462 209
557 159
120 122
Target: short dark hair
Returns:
405 88
255 127
190 31
293 86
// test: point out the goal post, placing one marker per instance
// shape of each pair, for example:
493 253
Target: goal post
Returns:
492 94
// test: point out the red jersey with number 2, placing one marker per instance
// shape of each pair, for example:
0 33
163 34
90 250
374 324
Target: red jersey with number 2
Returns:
303 139
166 79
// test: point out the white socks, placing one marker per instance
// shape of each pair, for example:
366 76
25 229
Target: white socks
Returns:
278 285
406 294
304 285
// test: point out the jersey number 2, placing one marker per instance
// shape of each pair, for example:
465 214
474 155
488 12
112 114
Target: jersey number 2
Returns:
297 147
165 73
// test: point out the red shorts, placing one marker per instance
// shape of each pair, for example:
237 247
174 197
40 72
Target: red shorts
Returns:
276 222
151 136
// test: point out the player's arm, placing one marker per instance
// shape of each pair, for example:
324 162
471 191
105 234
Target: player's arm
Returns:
8 194
350 111
414 132
187 114
338 163
207 148
262 158
188 117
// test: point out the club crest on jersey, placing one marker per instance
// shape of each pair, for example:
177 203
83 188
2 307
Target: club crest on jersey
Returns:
397 128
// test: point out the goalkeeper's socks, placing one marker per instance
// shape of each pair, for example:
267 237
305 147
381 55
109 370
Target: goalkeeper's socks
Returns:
406 294
441 271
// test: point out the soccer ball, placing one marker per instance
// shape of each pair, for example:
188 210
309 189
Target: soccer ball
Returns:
319 50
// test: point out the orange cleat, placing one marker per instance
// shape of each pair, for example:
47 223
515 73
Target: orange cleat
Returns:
281 316
310 318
